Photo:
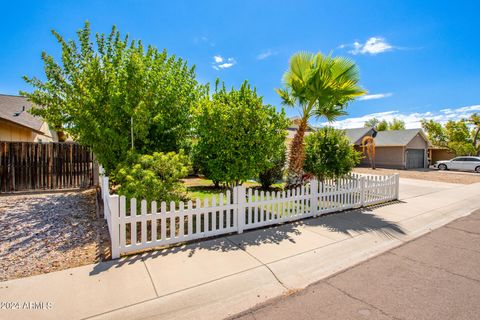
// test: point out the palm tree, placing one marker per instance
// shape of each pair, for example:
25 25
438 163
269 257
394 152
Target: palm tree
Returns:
320 86
368 144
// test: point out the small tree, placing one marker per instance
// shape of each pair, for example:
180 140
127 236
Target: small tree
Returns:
329 154
396 124
153 177
116 95
435 131
276 167
237 135
382 125
454 135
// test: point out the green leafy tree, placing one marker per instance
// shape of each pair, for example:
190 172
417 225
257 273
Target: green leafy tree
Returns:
454 135
382 126
275 169
458 131
237 135
474 120
319 86
329 154
435 131
153 177
371 123
460 148
396 124
117 95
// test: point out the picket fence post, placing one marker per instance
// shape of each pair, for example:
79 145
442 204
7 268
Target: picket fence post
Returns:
314 197
241 202
397 186
105 193
113 202
362 191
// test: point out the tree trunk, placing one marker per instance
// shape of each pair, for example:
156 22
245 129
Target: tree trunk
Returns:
296 156
475 139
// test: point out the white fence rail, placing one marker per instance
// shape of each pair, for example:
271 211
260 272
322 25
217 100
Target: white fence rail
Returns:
136 226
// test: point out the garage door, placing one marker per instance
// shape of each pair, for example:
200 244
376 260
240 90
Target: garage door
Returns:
415 158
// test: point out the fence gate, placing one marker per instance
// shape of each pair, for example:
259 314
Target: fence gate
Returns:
44 166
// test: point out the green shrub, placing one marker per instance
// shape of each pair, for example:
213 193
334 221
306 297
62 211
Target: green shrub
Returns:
236 135
153 177
276 168
329 154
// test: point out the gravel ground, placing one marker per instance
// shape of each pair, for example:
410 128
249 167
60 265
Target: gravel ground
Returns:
41 233
428 174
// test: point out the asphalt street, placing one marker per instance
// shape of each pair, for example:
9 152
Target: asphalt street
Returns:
436 276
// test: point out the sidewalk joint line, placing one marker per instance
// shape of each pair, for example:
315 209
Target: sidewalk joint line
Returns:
150 276
263 264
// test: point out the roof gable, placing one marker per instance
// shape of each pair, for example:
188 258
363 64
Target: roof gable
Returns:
356 135
11 109
397 137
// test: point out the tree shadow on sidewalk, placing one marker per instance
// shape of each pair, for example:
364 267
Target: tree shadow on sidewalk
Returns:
354 222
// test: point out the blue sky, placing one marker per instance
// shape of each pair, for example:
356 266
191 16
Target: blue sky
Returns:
417 58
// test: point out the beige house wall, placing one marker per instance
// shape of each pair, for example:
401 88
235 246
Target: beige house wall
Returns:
48 136
440 154
12 132
392 157
9 132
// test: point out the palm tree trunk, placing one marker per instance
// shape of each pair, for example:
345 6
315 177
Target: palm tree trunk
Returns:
296 156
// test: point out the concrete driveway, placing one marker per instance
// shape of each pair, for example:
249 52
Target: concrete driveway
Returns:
427 174
410 188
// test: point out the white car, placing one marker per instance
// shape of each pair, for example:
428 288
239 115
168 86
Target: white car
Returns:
460 163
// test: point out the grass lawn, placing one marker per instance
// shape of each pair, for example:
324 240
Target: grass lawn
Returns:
201 188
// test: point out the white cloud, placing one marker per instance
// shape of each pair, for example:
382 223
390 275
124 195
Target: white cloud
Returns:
220 62
373 46
266 54
375 96
203 40
412 120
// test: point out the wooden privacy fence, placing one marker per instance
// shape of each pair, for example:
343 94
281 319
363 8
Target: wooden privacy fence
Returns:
44 166
136 226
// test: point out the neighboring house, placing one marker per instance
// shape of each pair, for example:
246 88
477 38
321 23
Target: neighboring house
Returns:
399 149
16 124
292 129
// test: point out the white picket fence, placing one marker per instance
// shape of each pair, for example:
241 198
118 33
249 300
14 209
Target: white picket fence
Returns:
137 226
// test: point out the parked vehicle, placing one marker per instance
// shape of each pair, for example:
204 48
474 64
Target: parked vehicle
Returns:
460 163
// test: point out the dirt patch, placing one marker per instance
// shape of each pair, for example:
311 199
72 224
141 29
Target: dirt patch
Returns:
427 174
41 233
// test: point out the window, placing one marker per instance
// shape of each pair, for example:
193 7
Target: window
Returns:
472 159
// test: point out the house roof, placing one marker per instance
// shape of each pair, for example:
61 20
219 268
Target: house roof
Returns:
356 134
14 109
385 138
397 137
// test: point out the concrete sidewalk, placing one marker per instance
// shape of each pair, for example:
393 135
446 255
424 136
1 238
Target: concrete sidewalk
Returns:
218 278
